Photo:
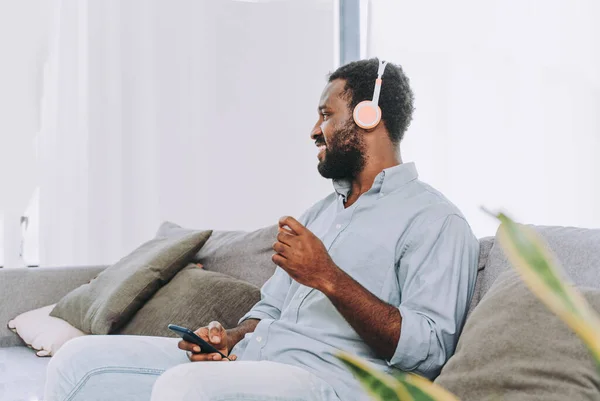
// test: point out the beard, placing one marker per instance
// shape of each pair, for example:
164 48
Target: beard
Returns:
344 156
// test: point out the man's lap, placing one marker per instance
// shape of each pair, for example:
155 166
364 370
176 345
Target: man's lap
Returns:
127 368
242 380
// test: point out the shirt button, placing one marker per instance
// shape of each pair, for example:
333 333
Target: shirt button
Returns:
338 226
300 295
259 339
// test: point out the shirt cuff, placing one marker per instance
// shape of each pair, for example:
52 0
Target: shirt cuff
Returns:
415 341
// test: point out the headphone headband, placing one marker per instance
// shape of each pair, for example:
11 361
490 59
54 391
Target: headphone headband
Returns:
377 90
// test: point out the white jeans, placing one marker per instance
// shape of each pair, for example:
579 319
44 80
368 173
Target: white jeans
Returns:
136 368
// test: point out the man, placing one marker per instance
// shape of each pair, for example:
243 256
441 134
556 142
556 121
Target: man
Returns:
383 268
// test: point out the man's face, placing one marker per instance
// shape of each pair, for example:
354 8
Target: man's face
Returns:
341 145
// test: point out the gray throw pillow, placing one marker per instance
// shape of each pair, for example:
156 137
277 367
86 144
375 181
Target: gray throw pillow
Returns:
513 348
194 298
239 254
108 301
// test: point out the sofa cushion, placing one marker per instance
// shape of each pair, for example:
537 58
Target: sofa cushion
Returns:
45 286
107 302
485 245
22 374
577 249
194 298
239 254
42 332
514 348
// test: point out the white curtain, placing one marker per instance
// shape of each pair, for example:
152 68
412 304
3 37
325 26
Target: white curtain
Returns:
24 30
192 111
507 99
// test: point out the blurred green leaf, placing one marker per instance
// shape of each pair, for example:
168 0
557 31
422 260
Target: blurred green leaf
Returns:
378 384
400 387
423 390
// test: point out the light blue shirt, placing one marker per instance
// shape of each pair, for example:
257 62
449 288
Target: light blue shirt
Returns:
404 242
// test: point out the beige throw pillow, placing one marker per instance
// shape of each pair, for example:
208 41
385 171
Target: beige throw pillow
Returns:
194 298
105 304
513 348
42 332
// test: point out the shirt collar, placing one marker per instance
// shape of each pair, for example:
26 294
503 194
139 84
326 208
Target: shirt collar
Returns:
386 181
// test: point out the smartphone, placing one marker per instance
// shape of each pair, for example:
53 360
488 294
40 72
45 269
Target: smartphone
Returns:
189 336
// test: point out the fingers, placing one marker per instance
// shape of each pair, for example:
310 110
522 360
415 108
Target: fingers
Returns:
281 248
207 357
187 346
279 260
292 223
285 237
202 332
216 332
284 241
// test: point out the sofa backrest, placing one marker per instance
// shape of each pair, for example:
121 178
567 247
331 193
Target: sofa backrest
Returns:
577 249
239 254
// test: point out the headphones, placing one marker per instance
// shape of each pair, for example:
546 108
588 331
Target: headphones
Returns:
367 113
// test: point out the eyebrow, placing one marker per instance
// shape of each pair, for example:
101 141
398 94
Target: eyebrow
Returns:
323 107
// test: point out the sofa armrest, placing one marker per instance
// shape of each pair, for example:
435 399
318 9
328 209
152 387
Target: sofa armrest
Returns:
25 289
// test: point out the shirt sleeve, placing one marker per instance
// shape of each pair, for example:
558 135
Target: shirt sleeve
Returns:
437 277
274 291
272 297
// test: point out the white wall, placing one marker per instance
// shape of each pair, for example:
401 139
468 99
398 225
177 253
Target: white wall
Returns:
507 99
194 112
24 31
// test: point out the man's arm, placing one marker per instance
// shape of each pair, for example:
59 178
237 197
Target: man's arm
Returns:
304 257
376 322
436 274
236 335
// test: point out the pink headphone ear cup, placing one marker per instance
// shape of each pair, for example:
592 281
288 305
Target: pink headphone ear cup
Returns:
367 115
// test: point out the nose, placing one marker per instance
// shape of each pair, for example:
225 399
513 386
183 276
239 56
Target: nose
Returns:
316 132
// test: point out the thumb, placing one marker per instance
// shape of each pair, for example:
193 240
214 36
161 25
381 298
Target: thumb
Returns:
215 332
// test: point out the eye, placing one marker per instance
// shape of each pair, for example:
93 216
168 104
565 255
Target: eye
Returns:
325 115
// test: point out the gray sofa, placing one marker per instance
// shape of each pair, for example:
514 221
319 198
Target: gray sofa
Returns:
22 373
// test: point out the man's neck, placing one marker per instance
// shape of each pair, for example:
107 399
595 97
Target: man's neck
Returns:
364 181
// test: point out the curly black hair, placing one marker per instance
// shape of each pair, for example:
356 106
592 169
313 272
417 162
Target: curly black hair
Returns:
396 97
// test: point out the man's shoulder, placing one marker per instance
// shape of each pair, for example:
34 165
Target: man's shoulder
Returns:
432 201
432 208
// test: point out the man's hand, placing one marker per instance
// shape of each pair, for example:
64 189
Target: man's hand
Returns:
216 336
303 256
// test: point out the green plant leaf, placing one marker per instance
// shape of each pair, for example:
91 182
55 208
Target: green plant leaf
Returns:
422 389
400 387
381 386
542 273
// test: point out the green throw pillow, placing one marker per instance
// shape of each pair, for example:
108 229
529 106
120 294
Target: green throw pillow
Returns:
194 298
106 303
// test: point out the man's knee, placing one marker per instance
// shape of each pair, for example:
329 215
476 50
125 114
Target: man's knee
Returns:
181 382
69 357
76 359
66 367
